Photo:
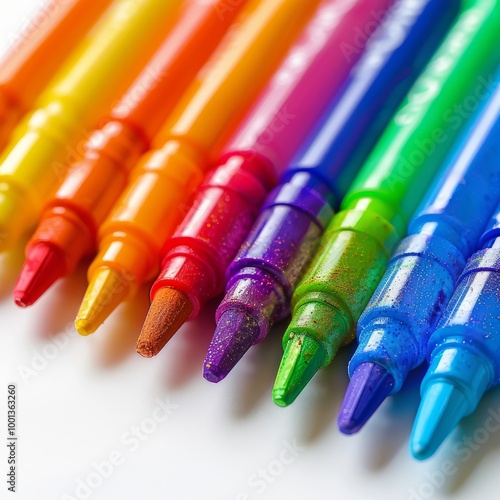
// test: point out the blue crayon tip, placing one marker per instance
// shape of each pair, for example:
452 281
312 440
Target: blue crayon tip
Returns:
370 384
452 387
442 407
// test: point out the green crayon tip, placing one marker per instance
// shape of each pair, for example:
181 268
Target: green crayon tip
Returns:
303 357
314 336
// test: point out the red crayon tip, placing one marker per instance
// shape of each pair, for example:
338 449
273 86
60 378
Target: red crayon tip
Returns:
169 310
44 265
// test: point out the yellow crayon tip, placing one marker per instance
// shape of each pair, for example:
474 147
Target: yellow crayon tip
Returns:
84 327
108 288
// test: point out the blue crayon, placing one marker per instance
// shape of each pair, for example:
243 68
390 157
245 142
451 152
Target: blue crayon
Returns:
464 351
262 277
421 276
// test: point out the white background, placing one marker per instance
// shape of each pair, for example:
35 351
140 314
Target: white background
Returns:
80 399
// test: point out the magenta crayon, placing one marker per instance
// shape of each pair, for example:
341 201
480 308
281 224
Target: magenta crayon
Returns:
196 257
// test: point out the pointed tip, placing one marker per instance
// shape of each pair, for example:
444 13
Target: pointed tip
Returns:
169 310
43 266
303 357
442 407
145 349
84 327
213 375
235 333
22 300
106 291
370 385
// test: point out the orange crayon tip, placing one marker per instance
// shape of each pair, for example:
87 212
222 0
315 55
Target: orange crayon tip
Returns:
169 310
44 265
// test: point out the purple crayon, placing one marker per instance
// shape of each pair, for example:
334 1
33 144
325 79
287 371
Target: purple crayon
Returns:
262 277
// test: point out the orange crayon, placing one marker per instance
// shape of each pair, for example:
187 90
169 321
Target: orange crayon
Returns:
37 52
166 178
102 67
68 227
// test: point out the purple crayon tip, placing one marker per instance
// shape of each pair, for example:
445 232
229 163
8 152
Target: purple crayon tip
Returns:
369 386
236 332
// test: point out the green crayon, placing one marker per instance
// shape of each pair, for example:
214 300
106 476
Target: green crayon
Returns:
375 212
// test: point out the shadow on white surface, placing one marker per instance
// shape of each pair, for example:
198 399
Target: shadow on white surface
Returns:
256 372
122 329
187 350
328 388
389 429
57 308
476 438
109 386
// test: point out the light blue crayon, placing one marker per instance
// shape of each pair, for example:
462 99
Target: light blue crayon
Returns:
464 351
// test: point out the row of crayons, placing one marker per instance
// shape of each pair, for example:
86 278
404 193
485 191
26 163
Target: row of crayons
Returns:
333 160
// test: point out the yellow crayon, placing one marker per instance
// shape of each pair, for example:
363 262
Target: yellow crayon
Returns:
100 69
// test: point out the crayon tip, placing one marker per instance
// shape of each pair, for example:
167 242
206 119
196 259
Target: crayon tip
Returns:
169 310
302 358
442 407
235 333
84 327
369 386
43 266
107 289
